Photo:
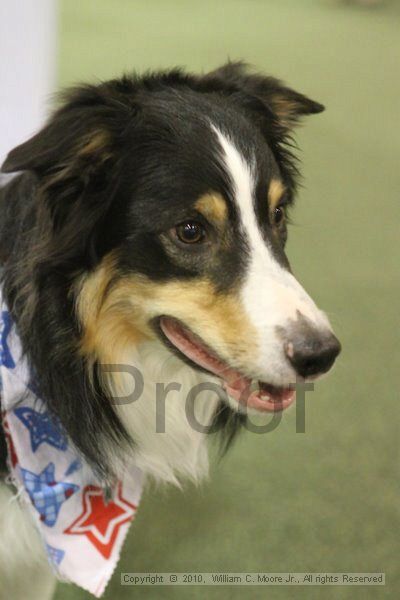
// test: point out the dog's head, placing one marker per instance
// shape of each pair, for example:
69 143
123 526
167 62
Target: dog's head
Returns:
165 199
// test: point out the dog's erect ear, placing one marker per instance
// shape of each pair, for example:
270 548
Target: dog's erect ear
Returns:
287 105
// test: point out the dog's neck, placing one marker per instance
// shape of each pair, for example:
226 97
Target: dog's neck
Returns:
165 411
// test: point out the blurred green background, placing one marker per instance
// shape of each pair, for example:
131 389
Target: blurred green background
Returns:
326 500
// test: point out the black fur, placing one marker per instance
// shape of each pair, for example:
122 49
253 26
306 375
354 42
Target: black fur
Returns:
116 165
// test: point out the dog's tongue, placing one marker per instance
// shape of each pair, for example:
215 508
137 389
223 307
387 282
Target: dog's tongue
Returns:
266 398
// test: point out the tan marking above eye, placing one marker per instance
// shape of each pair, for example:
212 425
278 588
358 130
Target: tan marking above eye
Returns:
213 207
275 193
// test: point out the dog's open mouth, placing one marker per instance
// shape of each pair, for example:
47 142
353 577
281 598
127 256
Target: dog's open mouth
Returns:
266 398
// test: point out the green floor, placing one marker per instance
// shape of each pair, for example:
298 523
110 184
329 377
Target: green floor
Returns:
326 500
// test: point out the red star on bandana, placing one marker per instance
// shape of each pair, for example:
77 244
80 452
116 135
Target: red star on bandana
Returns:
100 520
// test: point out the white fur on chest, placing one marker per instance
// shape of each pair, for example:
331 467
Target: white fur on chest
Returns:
167 428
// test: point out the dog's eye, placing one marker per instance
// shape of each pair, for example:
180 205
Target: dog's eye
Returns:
278 215
190 232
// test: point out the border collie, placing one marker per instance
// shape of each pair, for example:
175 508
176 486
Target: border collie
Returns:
147 229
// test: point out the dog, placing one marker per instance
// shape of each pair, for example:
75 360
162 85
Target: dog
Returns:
146 229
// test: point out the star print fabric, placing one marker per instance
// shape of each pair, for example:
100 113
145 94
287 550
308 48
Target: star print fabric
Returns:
82 527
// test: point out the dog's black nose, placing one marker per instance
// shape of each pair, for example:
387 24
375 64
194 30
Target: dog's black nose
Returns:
312 353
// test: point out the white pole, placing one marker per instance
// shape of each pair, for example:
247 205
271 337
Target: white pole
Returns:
28 35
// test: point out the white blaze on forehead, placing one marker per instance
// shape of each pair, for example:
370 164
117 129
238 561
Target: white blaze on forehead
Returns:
271 295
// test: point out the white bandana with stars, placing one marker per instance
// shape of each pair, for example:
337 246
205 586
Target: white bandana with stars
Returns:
82 527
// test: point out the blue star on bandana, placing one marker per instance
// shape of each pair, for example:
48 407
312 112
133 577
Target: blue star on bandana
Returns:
73 467
6 324
46 494
42 428
55 554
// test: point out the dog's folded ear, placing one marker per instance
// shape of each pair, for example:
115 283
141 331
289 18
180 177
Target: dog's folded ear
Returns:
76 161
79 136
286 105
74 139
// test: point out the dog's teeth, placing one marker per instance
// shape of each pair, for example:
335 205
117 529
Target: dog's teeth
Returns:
254 385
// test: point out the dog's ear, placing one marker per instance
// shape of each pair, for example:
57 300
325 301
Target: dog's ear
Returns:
57 146
76 139
75 160
286 105
79 137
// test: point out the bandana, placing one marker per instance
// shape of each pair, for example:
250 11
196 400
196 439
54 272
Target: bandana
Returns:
82 524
